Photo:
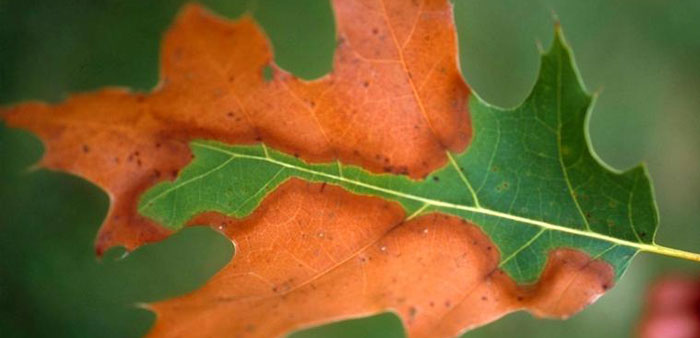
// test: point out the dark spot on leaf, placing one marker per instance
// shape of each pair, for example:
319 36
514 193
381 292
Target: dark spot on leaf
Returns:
436 179
86 148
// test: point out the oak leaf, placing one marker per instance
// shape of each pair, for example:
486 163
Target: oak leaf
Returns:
359 192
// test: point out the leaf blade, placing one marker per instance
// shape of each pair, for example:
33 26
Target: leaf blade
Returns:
551 177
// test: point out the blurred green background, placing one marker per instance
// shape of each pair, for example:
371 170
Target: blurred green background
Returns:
643 54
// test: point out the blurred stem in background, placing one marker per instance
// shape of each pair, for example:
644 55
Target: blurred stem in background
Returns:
643 54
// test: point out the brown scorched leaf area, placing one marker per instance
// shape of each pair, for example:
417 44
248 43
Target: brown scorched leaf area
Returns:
311 253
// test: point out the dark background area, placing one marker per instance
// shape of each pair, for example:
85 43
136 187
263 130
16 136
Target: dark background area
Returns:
643 54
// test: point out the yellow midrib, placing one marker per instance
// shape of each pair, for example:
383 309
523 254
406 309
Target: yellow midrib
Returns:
653 248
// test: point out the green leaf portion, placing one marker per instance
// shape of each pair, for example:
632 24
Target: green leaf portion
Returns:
529 179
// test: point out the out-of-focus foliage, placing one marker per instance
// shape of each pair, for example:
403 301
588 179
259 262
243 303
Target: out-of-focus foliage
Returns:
672 309
645 55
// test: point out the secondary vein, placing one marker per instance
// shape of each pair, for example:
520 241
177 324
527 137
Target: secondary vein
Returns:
474 209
